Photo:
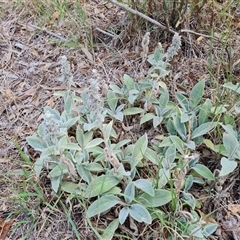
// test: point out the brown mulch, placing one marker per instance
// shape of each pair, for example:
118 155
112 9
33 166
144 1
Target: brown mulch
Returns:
30 73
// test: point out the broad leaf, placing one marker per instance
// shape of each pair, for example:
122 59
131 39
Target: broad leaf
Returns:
209 229
203 171
36 143
107 128
145 186
128 81
70 187
188 183
101 185
156 121
102 204
132 111
147 117
84 173
180 127
204 111
93 167
164 99
160 198
139 150
183 101
203 129
196 94
129 192
178 143
38 166
94 142
228 166
112 100
231 144
123 214
170 154
58 170
133 94
140 213
110 230
235 88
55 183
151 156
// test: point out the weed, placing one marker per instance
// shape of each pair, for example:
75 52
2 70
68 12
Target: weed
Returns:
106 170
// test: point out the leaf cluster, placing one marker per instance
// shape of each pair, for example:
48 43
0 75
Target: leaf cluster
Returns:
104 169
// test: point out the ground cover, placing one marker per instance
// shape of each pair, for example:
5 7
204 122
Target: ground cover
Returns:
171 122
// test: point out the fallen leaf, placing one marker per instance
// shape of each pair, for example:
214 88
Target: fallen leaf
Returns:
4 160
9 95
5 226
235 210
22 84
206 217
54 17
199 39
88 54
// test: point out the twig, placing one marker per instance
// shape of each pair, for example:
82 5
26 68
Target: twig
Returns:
104 32
156 22
141 15
199 34
48 32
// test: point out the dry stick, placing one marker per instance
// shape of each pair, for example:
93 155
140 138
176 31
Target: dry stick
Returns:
141 15
104 32
48 32
156 22
200 34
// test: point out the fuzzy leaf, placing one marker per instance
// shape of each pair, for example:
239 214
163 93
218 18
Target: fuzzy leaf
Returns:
164 99
110 230
170 154
231 144
178 143
203 129
129 192
196 94
209 229
147 117
123 214
101 185
132 111
145 186
94 142
160 198
203 171
180 127
55 183
112 100
94 167
58 170
69 187
107 128
183 101
235 88
36 143
128 81
139 150
140 213
228 166
102 204
71 146
38 166
151 156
